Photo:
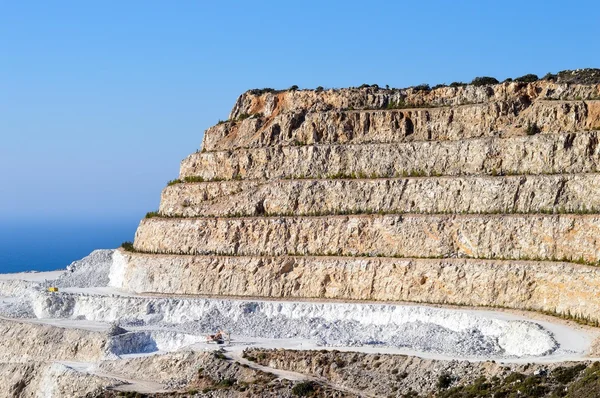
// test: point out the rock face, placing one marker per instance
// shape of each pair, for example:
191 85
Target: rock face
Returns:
461 195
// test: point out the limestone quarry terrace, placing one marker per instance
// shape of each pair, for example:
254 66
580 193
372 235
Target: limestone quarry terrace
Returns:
476 194
88 300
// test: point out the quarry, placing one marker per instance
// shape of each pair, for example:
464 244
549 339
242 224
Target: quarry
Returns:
347 242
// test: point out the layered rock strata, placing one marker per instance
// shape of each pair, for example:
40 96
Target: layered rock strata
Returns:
461 195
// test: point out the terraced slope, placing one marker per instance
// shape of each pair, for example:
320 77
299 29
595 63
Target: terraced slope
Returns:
480 196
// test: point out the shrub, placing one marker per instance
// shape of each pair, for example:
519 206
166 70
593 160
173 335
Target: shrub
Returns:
173 182
484 81
193 179
529 78
128 246
261 91
444 381
225 383
549 76
532 128
457 84
566 375
243 116
422 87
400 104
293 88
303 389
152 214
364 86
438 86
319 89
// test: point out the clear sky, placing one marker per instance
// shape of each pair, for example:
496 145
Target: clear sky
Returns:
100 100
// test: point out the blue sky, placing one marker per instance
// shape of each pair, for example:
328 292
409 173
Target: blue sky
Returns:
100 100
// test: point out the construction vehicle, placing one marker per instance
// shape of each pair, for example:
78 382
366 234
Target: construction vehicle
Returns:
220 337
53 289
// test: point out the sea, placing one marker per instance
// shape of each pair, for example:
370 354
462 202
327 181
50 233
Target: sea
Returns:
39 245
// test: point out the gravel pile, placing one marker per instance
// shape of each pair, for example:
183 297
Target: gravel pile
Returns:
436 330
16 307
90 271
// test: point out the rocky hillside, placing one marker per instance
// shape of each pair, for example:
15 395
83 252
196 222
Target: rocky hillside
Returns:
465 194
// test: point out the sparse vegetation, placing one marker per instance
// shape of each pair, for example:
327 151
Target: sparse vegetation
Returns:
194 179
422 87
128 246
484 81
532 128
226 383
401 104
444 381
562 382
261 91
152 214
565 375
529 78
242 116
303 389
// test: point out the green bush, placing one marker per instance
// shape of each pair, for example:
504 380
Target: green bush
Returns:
444 381
128 246
529 78
484 81
422 87
566 375
173 182
193 179
319 89
457 84
532 128
152 214
226 383
261 91
293 88
303 389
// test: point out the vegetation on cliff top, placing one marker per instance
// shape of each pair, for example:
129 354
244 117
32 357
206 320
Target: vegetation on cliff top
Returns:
578 76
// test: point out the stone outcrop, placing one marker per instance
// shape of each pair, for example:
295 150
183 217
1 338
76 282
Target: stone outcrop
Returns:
557 287
538 154
25 342
480 194
459 195
488 119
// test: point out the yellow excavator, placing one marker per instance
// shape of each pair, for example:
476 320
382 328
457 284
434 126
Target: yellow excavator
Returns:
220 337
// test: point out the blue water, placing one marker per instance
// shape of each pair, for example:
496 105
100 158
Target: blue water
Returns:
50 245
